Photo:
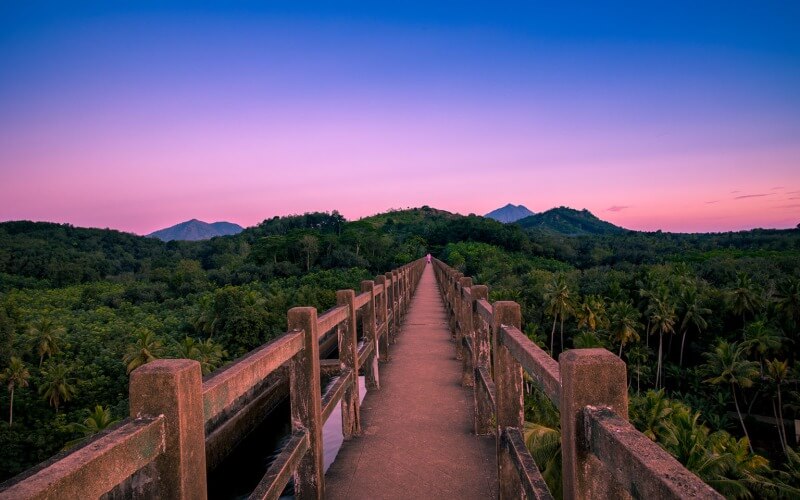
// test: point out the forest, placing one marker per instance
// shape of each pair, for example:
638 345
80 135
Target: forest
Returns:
707 323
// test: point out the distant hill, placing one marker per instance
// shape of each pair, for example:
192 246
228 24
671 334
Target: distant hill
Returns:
195 230
509 213
570 222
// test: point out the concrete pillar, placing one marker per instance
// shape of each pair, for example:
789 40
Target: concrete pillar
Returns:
481 359
383 313
466 332
306 402
588 377
395 305
461 311
348 359
371 374
174 388
508 396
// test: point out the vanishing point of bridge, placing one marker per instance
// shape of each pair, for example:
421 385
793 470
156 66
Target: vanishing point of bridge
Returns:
440 420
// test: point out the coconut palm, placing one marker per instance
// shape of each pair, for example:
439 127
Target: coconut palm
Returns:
47 337
662 321
788 300
760 340
15 375
623 323
727 364
558 303
650 413
210 355
146 348
591 313
777 371
57 387
744 298
637 358
694 316
187 348
99 419
586 340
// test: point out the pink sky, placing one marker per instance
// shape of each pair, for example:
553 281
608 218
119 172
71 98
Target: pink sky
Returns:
138 124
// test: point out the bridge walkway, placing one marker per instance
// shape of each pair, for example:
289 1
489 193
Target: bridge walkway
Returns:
417 432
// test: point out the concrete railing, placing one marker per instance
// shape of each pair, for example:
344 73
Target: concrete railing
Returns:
603 455
166 444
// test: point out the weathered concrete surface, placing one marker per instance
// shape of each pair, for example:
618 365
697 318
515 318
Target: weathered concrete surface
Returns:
417 439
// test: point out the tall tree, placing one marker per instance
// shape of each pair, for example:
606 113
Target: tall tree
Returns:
14 376
727 364
694 316
57 387
777 371
744 298
623 323
47 337
558 302
662 321
145 348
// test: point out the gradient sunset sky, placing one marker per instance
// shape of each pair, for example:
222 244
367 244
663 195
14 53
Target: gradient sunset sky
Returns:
681 116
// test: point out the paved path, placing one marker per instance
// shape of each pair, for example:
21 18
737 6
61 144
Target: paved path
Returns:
417 437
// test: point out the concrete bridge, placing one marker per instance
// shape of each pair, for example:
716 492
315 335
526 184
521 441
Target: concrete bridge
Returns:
442 418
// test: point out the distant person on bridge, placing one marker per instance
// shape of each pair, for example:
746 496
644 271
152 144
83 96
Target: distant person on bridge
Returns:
428 258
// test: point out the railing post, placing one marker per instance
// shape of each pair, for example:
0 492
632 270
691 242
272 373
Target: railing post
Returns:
395 305
466 333
588 377
509 396
306 403
481 359
348 359
371 374
461 311
174 388
382 312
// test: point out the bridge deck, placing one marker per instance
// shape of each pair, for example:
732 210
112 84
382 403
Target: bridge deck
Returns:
417 437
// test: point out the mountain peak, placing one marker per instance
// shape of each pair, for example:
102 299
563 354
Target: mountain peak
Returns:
570 222
194 230
509 213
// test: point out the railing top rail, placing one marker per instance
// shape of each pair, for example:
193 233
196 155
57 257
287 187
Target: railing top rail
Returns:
98 465
225 386
535 361
330 319
640 464
485 310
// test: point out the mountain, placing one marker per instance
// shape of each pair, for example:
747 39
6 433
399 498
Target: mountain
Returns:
570 222
194 230
509 213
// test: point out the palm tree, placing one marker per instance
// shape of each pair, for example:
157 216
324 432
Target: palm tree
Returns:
187 348
788 300
99 419
637 355
47 337
15 375
727 365
210 355
694 314
744 298
662 321
760 340
558 301
777 371
57 387
591 313
650 413
624 320
146 348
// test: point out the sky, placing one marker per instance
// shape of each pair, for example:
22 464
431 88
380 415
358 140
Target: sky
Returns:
652 115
